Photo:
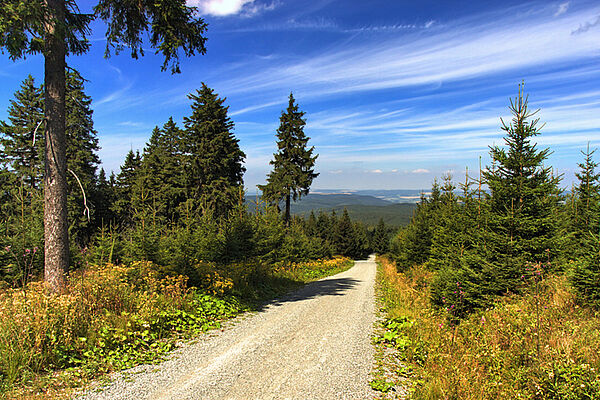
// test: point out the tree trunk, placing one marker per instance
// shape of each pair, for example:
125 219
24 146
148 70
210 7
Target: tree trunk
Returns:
287 209
56 233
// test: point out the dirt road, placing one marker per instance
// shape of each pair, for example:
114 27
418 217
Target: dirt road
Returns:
312 344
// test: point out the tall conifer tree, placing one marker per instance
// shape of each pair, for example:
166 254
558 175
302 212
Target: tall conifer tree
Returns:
293 164
214 164
162 171
57 28
523 198
380 238
583 209
124 185
82 157
20 151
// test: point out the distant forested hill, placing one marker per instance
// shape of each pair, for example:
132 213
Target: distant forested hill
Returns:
363 208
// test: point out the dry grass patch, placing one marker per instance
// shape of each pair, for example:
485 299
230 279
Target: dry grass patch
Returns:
539 345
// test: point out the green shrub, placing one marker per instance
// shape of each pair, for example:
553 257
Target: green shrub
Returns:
584 276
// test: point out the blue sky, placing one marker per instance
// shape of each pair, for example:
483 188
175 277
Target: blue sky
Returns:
396 92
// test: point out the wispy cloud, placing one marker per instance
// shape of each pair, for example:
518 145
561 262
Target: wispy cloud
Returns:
562 8
586 26
132 124
420 171
455 52
116 95
257 107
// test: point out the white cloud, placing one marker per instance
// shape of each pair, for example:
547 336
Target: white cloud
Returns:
133 124
429 24
336 171
562 8
219 8
253 8
420 171
370 63
376 171
586 26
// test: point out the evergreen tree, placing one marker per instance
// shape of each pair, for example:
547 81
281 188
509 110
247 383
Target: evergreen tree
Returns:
82 158
523 197
587 192
582 210
214 164
20 150
293 164
361 240
103 198
311 227
57 28
344 240
124 185
162 172
412 244
380 238
446 239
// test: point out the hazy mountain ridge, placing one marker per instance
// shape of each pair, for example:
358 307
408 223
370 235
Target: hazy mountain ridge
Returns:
367 208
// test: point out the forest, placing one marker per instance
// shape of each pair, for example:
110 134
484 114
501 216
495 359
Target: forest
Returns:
493 289
171 223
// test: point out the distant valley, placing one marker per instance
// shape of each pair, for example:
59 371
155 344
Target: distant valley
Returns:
368 206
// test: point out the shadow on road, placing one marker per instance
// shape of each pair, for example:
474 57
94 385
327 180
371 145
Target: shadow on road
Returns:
328 287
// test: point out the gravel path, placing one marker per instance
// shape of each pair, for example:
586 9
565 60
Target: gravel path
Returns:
312 344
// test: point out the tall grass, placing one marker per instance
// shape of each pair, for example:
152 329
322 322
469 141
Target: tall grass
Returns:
493 354
112 317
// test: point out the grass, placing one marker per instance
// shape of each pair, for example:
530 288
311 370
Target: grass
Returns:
538 345
113 317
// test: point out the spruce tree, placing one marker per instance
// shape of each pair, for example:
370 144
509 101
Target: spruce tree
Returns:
344 240
587 192
103 198
293 164
162 173
380 238
582 209
214 160
22 151
523 197
56 29
82 158
311 227
412 244
124 185
362 243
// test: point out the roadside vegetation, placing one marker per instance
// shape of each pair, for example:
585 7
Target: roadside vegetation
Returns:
161 251
494 293
539 344
113 317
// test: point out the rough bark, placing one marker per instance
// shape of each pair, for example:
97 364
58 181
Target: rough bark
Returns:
56 233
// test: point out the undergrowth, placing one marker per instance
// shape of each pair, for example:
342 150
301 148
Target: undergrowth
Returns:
114 317
537 345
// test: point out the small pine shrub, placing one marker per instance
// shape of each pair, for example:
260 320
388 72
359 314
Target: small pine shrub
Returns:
584 276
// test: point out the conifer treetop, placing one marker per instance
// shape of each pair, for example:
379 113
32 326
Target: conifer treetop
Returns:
293 164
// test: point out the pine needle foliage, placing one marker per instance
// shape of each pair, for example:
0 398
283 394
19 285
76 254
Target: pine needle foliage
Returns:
293 164
214 160
524 194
